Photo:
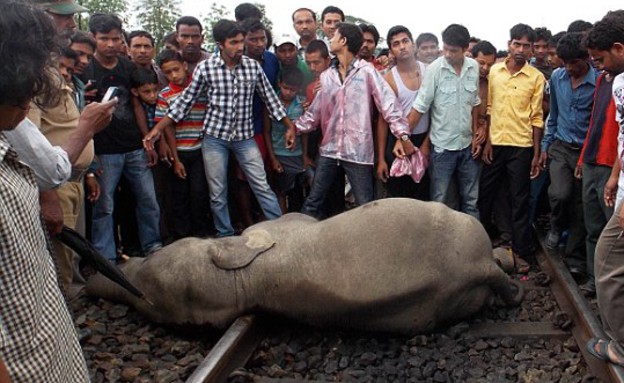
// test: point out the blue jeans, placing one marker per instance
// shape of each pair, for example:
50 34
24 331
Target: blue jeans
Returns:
216 153
360 176
133 166
446 164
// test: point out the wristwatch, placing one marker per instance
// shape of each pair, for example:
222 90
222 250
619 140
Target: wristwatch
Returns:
405 137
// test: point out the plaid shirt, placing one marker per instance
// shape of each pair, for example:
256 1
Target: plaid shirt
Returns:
229 93
38 341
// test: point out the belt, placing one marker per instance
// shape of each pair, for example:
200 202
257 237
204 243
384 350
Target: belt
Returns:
77 175
575 147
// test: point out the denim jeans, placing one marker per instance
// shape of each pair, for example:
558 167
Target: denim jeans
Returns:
216 154
133 166
446 164
360 176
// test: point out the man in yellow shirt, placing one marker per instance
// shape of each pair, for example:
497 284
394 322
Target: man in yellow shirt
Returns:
512 150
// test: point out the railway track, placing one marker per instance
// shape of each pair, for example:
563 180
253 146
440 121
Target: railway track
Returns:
554 323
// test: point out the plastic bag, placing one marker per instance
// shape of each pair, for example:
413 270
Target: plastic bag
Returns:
414 166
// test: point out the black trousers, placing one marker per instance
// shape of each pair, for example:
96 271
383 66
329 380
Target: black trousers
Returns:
515 164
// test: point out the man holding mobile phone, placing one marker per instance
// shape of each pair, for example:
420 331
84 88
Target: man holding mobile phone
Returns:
119 146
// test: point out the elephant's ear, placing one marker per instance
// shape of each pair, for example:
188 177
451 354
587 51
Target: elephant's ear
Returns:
237 252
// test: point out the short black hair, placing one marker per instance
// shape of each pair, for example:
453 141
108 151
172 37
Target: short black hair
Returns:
142 76
484 47
554 40
579 26
396 30
426 37
543 33
67 52
519 31
252 25
605 33
225 29
383 52
318 46
332 9
474 39
170 38
353 34
80 37
134 34
304 9
292 76
167 55
189 20
246 11
104 23
501 54
27 38
571 47
456 35
370 28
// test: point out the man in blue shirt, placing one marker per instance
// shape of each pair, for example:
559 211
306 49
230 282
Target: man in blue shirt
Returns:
450 91
571 101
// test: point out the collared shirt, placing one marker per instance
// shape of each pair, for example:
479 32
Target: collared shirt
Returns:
58 123
229 94
188 132
278 130
343 110
50 163
150 114
38 342
570 109
450 98
515 104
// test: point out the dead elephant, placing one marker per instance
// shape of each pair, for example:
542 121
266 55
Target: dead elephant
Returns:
397 265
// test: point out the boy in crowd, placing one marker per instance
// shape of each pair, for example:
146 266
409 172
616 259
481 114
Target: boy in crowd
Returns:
145 89
288 165
189 187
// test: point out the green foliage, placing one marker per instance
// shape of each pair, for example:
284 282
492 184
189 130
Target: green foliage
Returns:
158 17
118 7
216 13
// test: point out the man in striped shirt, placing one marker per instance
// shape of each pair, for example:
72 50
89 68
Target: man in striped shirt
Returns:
229 81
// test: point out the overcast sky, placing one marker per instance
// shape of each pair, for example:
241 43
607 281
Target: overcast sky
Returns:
482 18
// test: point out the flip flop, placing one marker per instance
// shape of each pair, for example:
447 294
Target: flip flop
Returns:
520 265
599 348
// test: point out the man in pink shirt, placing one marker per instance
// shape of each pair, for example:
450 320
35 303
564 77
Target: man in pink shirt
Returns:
343 110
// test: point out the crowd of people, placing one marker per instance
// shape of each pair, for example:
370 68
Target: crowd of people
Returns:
205 144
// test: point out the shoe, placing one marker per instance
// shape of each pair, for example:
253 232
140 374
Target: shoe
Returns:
552 239
588 289
578 273
599 348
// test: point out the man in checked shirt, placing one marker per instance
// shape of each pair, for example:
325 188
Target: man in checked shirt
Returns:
229 81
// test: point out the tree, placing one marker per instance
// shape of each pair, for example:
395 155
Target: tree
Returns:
118 7
158 17
216 13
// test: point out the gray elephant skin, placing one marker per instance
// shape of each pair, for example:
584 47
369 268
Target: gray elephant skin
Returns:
397 265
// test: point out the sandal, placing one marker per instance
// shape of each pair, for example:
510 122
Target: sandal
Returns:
520 265
599 348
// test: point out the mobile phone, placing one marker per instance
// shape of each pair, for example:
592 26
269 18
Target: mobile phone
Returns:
110 93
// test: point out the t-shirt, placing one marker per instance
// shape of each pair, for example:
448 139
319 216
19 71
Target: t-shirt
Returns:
122 135
278 129
190 131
